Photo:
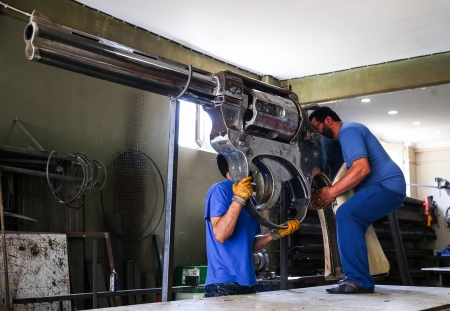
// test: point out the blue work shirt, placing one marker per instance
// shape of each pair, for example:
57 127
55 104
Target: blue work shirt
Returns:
233 260
358 142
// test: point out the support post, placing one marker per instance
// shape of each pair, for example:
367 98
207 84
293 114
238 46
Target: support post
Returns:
172 168
284 261
399 249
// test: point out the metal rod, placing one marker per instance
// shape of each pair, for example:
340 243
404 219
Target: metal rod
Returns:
172 168
399 249
5 254
22 127
36 153
99 295
284 260
94 274
14 9
42 174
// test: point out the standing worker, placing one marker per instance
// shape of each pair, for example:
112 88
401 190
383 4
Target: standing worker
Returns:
380 190
232 236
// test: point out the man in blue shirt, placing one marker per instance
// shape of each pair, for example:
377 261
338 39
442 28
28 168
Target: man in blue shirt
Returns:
380 190
232 236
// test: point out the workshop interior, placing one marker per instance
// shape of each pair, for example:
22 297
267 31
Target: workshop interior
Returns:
109 134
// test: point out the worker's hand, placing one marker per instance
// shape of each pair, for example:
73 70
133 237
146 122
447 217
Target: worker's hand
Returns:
322 198
243 190
292 226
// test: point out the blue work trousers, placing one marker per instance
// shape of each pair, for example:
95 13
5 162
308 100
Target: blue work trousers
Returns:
226 289
353 218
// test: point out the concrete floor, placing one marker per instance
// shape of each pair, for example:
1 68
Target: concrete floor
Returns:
386 297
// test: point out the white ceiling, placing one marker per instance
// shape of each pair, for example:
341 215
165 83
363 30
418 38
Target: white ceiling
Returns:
297 38
430 106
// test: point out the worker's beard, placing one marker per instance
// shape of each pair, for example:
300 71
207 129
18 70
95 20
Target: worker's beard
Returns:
327 132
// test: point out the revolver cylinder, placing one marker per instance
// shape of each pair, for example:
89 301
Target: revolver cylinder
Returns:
271 117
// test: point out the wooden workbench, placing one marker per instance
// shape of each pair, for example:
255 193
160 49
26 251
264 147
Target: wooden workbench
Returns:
386 297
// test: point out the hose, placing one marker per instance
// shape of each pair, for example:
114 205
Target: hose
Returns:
90 171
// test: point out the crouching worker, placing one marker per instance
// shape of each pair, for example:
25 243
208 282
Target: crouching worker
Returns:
232 236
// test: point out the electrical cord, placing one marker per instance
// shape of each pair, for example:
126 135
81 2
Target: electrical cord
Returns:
90 171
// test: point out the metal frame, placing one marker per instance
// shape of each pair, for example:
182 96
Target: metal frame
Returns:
61 298
117 300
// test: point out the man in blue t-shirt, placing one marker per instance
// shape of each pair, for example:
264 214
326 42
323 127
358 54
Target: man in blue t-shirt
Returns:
232 236
380 190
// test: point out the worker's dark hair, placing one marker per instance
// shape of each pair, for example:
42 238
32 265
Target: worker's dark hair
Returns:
222 164
322 112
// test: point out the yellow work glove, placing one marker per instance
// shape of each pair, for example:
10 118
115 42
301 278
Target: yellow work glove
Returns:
243 190
292 226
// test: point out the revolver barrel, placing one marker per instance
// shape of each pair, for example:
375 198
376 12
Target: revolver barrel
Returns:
66 48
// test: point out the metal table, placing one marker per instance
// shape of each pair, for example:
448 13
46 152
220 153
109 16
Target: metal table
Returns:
440 270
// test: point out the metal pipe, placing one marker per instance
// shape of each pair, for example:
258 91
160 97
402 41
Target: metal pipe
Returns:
172 168
43 174
399 249
284 260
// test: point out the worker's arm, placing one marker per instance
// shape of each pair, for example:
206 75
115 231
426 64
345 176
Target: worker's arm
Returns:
224 225
262 240
357 172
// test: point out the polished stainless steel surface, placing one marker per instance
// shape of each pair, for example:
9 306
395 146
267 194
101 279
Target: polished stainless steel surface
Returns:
252 122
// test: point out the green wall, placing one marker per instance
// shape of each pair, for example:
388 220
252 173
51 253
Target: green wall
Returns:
70 112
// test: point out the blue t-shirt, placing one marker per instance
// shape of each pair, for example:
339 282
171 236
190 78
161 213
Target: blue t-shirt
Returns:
358 142
233 260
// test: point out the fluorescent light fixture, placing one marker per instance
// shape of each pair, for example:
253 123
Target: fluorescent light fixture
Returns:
437 132
416 123
392 112
366 100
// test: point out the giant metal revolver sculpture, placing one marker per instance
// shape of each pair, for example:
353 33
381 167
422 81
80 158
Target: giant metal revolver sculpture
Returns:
253 122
